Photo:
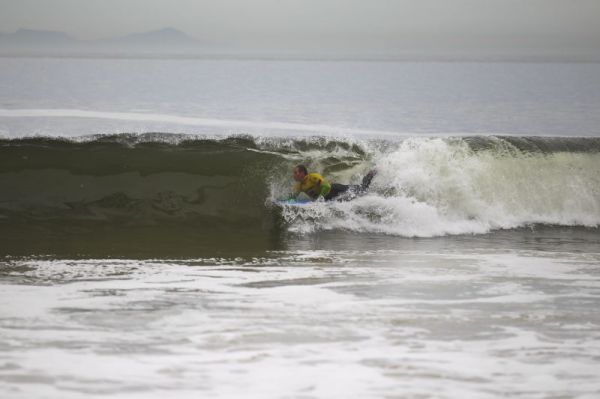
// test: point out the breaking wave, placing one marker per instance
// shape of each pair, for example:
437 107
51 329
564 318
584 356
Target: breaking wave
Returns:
434 187
424 187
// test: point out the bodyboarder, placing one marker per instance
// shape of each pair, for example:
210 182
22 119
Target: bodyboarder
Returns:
315 186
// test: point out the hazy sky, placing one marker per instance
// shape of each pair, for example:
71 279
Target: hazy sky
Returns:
546 22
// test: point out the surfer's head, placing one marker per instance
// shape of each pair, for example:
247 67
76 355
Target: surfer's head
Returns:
299 172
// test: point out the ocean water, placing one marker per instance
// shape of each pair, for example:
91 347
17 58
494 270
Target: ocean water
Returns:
143 252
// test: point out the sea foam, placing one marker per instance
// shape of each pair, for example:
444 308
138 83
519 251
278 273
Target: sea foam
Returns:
433 186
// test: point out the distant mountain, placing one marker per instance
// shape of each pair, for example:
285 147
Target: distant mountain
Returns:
170 42
162 41
32 38
166 36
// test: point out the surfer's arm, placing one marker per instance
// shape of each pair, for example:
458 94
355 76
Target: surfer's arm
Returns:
324 189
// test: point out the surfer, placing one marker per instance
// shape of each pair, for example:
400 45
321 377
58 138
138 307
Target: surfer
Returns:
315 186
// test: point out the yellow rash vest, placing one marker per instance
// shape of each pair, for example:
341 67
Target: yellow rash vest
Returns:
314 185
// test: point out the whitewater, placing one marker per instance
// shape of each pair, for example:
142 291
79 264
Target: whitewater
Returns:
144 251
434 187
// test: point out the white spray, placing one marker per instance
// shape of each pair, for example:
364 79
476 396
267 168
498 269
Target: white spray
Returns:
433 187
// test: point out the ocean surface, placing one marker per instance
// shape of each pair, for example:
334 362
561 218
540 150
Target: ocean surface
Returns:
144 253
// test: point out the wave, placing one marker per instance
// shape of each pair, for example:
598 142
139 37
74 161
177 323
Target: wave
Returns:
424 187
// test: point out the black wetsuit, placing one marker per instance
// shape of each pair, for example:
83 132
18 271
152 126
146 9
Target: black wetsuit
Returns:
351 190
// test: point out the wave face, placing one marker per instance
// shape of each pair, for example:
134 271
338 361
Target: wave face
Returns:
424 187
